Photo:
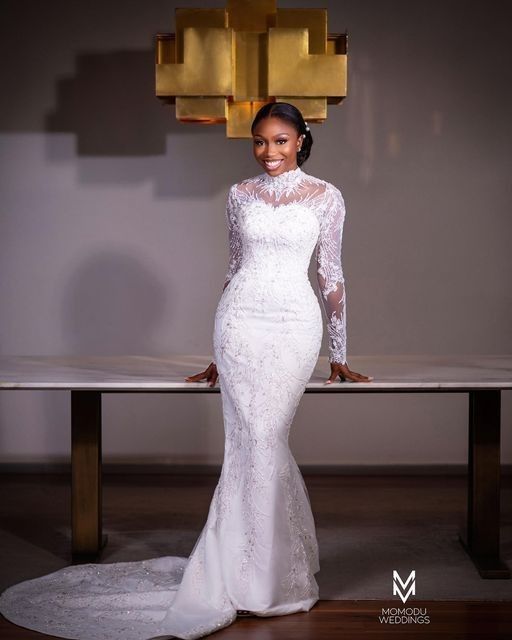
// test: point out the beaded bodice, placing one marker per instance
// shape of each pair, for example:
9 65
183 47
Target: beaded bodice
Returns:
275 223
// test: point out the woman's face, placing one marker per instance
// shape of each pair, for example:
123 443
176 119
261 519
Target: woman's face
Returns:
275 145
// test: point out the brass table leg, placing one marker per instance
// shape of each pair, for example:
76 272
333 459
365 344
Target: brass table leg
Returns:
86 507
481 539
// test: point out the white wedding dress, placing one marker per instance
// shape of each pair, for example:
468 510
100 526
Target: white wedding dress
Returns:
258 549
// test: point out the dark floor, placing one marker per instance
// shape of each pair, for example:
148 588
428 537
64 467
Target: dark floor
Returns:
36 510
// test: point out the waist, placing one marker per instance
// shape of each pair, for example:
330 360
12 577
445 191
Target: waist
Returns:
271 291
274 272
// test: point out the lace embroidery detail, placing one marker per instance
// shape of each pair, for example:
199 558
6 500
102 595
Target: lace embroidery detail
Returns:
337 332
299 582
330 273
260 393
283 183
234 240
295 189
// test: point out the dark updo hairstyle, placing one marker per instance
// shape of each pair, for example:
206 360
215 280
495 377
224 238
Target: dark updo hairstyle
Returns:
291 114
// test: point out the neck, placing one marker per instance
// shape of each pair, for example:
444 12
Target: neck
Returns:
286 173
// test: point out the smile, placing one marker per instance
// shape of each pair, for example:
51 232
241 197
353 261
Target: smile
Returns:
272 164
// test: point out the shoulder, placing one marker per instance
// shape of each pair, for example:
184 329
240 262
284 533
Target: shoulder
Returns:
332 190
336 196
238 190
330 196
328 188
246 185
334 200
238 194
330 204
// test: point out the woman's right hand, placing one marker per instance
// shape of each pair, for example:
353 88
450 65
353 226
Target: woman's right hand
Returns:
210 373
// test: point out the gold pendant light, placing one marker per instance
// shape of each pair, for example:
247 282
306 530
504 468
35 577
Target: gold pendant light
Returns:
223 64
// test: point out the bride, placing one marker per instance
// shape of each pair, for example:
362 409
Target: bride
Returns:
257 553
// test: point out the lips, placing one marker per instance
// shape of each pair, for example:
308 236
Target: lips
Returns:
272 164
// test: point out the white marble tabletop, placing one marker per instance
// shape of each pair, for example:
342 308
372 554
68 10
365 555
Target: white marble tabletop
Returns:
167 373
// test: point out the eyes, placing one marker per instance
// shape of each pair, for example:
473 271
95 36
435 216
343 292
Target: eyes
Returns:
258 143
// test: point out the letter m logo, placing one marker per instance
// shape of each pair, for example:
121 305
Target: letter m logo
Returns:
400 587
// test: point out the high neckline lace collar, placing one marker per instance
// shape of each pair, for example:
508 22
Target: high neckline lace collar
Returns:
283 180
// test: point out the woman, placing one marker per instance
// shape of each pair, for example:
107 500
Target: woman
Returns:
257 552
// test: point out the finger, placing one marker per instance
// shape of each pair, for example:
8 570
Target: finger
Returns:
363 377
196 377
332 377
358 377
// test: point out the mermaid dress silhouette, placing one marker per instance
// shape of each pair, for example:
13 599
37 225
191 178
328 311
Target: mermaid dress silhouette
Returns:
258 549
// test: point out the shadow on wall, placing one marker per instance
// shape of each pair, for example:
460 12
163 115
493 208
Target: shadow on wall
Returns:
111 108
110 105
113 305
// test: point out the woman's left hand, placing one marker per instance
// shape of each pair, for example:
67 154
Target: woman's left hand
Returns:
210 373
344 373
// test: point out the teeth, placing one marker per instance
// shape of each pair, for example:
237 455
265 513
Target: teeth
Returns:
273 164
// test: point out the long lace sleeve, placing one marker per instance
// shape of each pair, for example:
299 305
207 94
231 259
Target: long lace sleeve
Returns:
234 241
330 273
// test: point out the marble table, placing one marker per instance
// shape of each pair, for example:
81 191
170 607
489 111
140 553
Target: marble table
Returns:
88 377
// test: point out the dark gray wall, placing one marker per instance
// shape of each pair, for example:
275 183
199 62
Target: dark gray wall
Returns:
112 230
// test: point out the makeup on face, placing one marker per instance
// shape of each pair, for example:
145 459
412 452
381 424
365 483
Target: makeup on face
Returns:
275 145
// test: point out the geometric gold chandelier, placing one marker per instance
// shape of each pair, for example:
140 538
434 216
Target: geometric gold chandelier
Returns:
223 64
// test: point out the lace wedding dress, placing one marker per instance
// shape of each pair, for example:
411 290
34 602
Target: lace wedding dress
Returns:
258 549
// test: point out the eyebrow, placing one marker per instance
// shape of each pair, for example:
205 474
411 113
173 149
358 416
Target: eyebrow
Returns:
258 135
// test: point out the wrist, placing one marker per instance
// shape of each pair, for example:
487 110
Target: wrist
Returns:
337 355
